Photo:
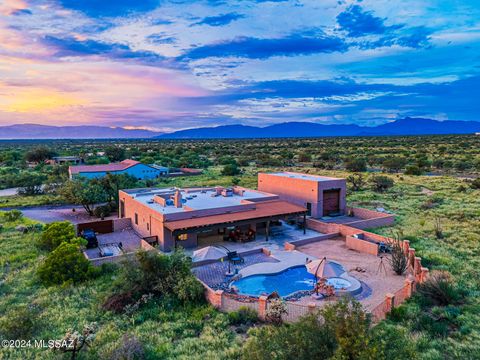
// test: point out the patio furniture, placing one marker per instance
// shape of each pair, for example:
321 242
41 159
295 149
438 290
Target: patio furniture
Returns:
384 248
235 258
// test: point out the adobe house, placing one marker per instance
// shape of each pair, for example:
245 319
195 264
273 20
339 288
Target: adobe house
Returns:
321 195
201 216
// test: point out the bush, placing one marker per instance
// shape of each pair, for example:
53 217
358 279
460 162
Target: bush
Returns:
276 308
413 170
475 184
243 316
56 233
381 183
440 289
66 264
102 211
17 323
356 165
157 274
230 170
12 215
129 348
397 259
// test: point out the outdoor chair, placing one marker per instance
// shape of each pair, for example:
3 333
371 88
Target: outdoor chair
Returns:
235 258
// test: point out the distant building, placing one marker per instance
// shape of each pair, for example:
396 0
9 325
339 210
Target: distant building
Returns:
60 160
130 167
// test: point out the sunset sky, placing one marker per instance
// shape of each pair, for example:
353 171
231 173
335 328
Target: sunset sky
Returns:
169 65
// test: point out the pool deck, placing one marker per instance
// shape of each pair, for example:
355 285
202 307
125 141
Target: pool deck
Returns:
286 259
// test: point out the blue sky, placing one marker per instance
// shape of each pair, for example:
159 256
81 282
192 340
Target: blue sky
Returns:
170 65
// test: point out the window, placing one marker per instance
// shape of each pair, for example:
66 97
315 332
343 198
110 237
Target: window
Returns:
148 227
136 219
183 237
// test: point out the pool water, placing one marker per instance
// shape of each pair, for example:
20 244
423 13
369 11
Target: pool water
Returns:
284 283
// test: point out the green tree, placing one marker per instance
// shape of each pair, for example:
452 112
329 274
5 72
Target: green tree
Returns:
381 183
65 264
230 170
394 164
84 192
112 183
56 233
115 153
30 183
39 154
356 165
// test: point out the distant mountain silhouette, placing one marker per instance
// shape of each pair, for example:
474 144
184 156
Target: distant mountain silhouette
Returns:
407 126
34 131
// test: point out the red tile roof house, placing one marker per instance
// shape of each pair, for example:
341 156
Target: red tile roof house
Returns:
131 167
201 216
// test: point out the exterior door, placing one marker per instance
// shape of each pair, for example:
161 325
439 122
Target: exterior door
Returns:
331 201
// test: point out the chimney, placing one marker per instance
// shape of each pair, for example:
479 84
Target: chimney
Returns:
177 199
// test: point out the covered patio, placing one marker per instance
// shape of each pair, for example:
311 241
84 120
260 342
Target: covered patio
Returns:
270 221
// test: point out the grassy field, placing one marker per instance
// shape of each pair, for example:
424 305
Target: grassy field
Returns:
199 332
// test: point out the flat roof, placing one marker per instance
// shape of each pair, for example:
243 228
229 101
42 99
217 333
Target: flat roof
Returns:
262 210
310 177
194 198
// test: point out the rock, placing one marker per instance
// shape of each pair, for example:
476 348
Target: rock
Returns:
21 228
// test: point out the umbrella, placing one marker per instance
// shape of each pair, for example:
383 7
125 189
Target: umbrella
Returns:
324 268
208 253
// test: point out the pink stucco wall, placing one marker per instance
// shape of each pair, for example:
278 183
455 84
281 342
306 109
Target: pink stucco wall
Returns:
302 191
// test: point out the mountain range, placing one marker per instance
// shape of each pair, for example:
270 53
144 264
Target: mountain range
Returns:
35 131
407 126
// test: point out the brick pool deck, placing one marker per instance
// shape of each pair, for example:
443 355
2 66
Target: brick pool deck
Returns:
214 274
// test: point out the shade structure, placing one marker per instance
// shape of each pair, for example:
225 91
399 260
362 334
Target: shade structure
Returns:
208 253
325 268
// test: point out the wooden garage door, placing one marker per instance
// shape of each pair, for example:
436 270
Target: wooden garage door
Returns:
331 201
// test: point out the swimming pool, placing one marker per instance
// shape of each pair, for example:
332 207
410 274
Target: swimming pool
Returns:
284 283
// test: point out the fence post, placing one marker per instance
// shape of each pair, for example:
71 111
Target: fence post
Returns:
424 274
311 307
411 257
217 299
262 307
389 302
409 283
406 247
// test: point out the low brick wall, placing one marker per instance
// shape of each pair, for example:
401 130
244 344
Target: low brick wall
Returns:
361 245
119 258
370 219
322 227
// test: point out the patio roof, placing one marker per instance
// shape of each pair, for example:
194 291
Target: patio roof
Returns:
263 210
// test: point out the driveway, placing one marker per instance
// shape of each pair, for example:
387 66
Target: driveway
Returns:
48 213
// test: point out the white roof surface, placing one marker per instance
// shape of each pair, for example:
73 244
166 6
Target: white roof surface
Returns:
195 200
310 177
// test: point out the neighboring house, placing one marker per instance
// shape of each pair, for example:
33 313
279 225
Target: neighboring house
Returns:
130 167
61 160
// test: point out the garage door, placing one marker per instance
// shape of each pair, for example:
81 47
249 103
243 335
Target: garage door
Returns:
331 201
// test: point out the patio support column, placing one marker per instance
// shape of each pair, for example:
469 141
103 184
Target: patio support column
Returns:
304 223
267 230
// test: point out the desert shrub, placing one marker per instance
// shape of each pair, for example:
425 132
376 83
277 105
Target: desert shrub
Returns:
475 184
356 181
356 165
102 211
57 232
381 183
65 264
157 274
397 258
230 170
18 323
305 339
440 289
243 316
392 342
276 308
413 170
12 215
351 326
129 348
